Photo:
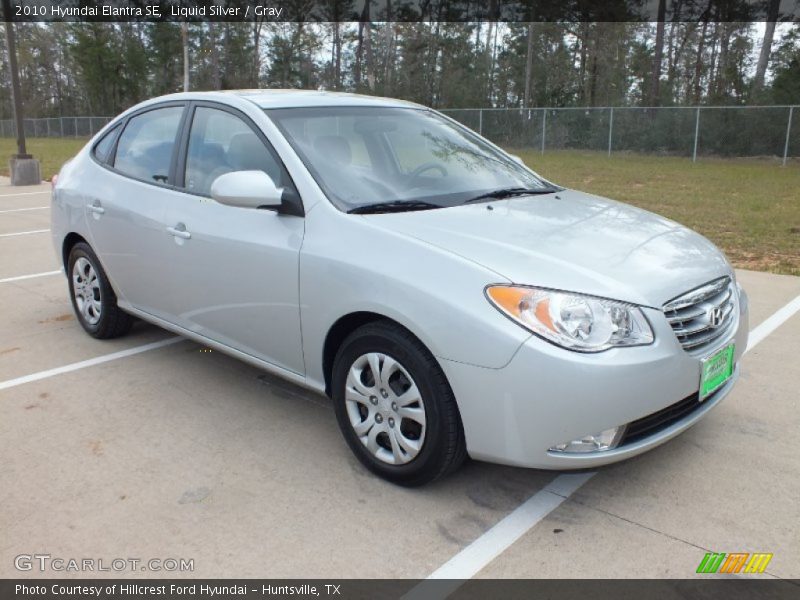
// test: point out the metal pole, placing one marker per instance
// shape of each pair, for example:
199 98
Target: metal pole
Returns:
61 123
480 121
15 88
788 131
75 124
696 133
544 126
610 128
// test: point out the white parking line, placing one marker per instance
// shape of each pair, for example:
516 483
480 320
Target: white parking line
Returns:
98 360
491 544
24 232
472 559
32 276
758 334
24 194
10 210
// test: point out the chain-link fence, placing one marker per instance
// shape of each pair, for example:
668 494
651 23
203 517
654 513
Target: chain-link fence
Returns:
684 131
56 127
729 131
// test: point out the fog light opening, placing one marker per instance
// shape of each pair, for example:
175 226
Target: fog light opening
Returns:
595 442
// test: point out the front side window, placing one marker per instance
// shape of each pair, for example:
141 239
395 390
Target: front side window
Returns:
364 155
145 146
220 142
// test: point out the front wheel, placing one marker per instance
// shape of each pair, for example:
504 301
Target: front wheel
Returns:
395 407
93 299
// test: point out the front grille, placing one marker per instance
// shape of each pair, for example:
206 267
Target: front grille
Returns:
700 316
658 421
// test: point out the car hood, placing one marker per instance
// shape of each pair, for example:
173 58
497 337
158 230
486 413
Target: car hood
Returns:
571 241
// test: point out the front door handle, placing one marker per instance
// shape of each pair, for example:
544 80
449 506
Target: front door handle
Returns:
96 208
179 231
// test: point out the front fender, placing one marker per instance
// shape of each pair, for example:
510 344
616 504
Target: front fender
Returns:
348 264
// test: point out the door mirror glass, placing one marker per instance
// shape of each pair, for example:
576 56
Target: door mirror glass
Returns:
246 189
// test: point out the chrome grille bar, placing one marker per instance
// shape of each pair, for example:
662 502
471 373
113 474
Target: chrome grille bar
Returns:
702 315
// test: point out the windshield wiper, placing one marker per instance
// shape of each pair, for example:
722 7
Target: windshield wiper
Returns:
393 206
510 192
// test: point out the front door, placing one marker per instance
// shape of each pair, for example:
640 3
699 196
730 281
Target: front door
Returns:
235 270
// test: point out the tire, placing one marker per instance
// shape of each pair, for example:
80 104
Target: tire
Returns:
379 417
93 299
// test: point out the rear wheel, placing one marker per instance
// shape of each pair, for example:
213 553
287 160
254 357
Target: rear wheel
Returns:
93 299
395 407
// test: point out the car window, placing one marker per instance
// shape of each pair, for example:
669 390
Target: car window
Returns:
145 147
360 155
220 142
420 144
103 147
333 137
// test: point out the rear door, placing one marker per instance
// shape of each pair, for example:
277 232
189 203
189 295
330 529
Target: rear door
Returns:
234 270
125 205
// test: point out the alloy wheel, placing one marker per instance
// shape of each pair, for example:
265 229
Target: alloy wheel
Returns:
86 290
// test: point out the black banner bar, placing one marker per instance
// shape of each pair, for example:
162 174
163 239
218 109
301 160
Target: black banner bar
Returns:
396 10
349 589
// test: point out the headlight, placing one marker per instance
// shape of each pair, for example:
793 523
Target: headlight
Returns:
573 321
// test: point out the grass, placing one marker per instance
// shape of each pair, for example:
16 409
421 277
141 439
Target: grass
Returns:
51 152
749 207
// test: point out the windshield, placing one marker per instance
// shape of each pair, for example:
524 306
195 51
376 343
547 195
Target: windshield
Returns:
364 155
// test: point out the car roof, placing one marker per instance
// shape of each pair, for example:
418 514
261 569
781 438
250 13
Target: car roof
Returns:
275 98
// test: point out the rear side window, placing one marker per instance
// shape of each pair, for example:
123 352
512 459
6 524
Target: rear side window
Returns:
103 147
145 146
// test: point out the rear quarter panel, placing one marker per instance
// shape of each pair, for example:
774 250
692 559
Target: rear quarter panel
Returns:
67 214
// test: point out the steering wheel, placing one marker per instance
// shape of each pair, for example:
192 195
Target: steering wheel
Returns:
428 166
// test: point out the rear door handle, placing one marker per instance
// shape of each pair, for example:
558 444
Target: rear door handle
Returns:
96 208
179 231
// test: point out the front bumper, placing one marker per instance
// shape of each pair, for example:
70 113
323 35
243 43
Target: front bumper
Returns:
547 395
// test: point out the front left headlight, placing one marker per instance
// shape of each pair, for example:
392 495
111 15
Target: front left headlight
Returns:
573 321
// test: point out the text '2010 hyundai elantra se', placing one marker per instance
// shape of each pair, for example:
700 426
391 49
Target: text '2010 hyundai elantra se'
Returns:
449 300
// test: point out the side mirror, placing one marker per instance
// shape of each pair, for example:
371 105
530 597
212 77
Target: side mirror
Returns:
518 160
246 189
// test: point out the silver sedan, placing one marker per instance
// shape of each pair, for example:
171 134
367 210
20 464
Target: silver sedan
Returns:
448 299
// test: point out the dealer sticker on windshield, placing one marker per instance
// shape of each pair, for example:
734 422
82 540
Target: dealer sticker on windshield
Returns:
716 370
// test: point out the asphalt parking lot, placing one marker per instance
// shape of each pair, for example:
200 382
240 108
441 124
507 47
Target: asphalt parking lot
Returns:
179 452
